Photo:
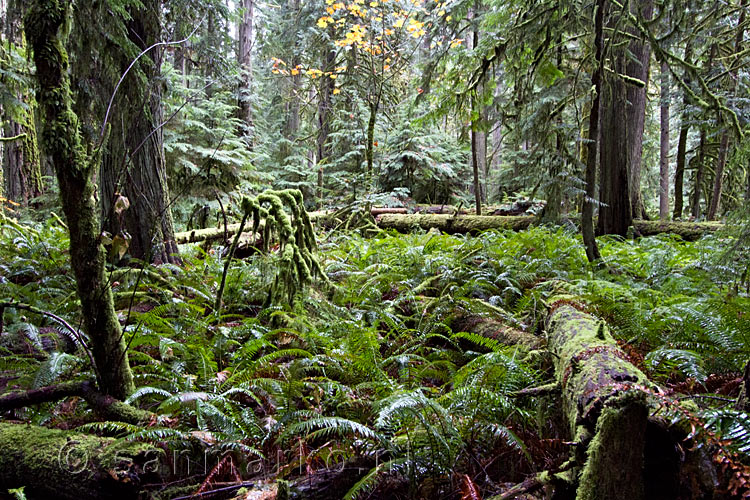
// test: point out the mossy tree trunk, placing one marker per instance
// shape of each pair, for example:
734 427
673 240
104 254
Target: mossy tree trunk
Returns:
133 163
21 177
637 66
75 170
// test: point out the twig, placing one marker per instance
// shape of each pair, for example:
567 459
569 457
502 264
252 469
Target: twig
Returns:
76 334
245 484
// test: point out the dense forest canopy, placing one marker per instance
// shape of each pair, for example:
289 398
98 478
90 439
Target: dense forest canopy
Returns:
374 249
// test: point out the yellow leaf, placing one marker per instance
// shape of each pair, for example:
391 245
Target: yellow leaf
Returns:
333 77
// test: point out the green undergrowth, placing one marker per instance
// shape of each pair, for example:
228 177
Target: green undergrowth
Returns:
370 371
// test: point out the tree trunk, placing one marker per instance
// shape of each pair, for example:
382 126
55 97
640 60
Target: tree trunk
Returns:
679 173
664 145
324 119
702 147
245 60
133 164
615 212
713 208
21 179
75 171
477 140
638 63
370 151
699 172
592 146
721 162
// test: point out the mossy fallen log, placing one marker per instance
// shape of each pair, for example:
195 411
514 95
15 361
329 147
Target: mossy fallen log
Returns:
60 464
448 223
495 328
689 231
604 399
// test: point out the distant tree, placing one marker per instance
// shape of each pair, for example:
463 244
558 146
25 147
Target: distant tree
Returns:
20 175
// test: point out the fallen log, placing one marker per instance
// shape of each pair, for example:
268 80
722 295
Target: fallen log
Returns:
60 464
488 326
448 223
689 231
623 452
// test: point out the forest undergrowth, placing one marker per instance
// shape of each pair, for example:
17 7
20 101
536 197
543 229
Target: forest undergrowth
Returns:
374 386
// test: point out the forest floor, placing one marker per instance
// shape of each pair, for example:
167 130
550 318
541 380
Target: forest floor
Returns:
396 380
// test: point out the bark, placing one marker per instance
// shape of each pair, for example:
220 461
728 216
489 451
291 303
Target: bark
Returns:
75 171
721 162
637 66
699 173
133 164
664 145
245 60
370 151
679 174
59 464
592 147
475 171
324 119
702 147
615 213
452 224
478 141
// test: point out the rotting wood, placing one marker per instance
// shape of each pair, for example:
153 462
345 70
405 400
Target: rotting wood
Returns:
52 463
605 400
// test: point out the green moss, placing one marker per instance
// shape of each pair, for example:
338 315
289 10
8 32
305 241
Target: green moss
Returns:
614 468
69 464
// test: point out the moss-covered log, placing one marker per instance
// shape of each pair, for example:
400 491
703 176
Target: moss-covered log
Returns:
60 464
75 169
689 231
495 328
472 224
453 224
448 222
606 411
